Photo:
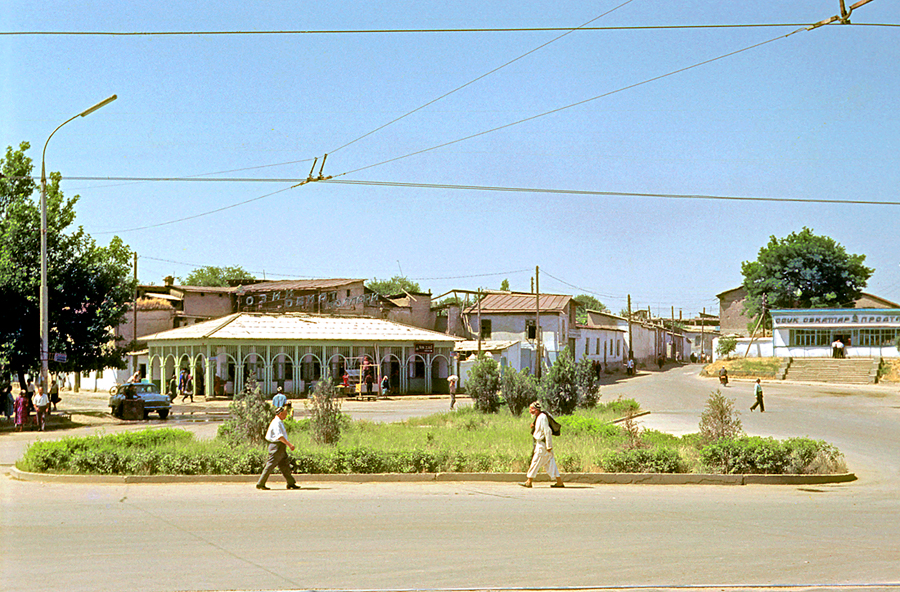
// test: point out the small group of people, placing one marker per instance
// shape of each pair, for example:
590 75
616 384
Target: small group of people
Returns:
837 348
32 399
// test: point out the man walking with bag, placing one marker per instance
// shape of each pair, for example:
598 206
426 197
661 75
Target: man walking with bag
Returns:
543 448
276 436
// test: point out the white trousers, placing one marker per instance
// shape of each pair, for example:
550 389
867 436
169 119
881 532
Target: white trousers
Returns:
542 458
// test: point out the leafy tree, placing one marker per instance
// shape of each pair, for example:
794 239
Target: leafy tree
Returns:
215 276
483 382
727 344
587 302
803 270
504 285
395 285
89 285
587 383
519 389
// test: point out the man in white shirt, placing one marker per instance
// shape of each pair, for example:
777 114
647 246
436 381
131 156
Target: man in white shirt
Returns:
42 405
276 436
543 448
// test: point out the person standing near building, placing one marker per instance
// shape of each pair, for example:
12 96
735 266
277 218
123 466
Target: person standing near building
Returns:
758 391
543 448
276 436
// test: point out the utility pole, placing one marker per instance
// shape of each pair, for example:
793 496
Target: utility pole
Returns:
479 322
537 322
673 333
134 334
630 340
702 342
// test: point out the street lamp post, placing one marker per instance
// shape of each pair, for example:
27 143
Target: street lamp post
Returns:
45 314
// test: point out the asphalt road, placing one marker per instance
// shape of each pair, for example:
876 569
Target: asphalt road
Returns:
366 536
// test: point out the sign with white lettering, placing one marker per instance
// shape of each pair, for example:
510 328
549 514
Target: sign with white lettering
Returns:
832 318
424 348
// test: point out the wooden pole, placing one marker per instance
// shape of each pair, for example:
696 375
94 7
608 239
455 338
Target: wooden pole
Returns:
134 334
537 322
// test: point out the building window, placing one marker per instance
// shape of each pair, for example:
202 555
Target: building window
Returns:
587 346
530 330
810 337
598 346
485 328
876 337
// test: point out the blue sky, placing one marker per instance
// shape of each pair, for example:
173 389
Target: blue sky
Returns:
813 115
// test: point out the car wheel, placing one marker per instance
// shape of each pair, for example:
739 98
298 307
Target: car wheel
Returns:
163 413
116 411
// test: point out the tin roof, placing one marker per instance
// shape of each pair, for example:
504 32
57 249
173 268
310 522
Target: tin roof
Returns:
300 327
520 302
490 346
315 284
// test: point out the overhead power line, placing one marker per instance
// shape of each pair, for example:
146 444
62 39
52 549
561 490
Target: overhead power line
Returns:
413 31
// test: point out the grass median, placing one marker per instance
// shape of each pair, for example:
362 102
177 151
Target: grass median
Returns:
460 441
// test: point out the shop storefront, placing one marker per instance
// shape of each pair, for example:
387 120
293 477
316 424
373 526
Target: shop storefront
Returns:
842 332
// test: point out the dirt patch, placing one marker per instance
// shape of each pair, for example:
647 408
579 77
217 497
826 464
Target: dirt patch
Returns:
890 369
745 367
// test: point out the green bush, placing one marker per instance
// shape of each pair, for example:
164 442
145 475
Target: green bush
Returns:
579 424
559 388
482 383
719 419
586 383
327 420
519 389
249 417
756 455
643 460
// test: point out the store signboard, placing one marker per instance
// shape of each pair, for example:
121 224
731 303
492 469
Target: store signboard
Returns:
424 348
889 317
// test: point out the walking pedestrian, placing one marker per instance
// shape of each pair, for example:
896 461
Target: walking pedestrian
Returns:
42 407
54 392
543 448
22 409
451 381
758 391
188 387
276 436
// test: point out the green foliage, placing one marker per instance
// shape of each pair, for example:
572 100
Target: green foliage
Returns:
585 302
719 419
210 275
586 383
726 346
643 460
559 388
757 455
327 420
504 286
483 384
519 389
579 424
249 417
89 285
803 270
396 285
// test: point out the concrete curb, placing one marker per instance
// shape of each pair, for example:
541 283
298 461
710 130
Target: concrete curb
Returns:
585 478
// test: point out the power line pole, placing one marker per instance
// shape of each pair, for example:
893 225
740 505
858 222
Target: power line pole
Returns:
630 340
537 324
134 334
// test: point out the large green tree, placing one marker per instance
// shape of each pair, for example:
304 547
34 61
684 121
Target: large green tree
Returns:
215 276
393 286
803 270
585 302
89 285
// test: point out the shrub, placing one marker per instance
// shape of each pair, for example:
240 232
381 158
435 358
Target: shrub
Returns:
249 418
519 389
558 387
579 424
755 455
719 419
326 419
587 385
482 383
643 460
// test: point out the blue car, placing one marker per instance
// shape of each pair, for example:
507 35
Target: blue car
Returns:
146 392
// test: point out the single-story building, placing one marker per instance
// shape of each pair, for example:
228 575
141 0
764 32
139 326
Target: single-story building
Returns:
294 350
862 332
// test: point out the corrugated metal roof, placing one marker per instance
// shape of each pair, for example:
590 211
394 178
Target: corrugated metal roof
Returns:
471 346
518 302
316 284
300 327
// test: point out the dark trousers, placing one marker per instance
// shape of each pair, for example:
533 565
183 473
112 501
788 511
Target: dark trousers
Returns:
759 403
277 458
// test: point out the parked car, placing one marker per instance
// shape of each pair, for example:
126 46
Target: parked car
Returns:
145 391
